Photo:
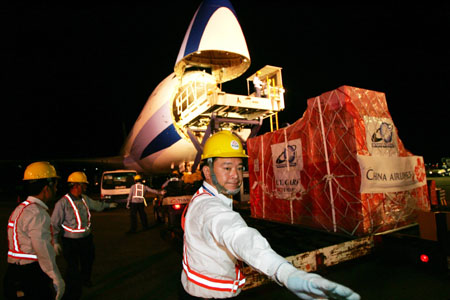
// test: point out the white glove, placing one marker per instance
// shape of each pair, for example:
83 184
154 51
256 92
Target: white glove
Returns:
60 287
310 286
113 205
58 249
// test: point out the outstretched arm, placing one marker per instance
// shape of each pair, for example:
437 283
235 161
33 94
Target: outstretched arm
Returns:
312 286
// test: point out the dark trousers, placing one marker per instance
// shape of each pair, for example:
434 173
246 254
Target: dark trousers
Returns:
136 208
79 255
28 280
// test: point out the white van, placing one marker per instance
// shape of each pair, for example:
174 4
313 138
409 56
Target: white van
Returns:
115 185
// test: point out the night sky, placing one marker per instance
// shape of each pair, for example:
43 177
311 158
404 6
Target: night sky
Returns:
74 78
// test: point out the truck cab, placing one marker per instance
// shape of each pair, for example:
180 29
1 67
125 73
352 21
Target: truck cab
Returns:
115 185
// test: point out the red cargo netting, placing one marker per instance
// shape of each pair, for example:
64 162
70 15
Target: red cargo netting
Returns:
341 167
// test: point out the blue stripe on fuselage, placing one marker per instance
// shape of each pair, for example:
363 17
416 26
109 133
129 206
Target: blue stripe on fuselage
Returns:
206 10
165 139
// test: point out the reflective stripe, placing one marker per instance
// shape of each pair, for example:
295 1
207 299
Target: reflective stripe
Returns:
12 225
22 255
213 283
139 192
79 228
66 228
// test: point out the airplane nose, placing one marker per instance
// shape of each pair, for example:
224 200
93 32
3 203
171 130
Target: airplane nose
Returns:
209 44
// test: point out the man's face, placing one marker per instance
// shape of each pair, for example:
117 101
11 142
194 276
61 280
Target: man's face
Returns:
83 187
229 172
50 191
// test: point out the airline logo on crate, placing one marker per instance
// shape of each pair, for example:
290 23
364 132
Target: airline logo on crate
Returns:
381 136
287 163
287 156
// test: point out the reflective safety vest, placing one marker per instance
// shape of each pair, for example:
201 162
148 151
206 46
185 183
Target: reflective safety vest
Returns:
79 227
139 191
14 247
215 284
203 280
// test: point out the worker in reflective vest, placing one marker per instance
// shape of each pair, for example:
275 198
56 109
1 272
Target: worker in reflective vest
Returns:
216 238
32 272
71 221
136 203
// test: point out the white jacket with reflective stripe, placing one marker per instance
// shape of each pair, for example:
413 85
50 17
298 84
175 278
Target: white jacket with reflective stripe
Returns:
14 232
215 238
29 236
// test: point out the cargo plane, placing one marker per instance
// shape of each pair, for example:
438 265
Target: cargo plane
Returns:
189 104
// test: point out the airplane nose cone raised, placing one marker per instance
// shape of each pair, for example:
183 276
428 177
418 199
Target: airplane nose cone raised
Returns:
214 40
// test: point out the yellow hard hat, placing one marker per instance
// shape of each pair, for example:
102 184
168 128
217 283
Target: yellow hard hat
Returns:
223 144
137 177
39 170
77 177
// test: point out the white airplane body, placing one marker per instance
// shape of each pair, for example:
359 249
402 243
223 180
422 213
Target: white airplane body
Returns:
176 114
154 145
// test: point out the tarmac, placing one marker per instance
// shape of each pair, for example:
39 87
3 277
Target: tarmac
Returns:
147 265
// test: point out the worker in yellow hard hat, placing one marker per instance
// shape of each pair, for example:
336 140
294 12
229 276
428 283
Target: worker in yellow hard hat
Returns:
32 272
217 239
172 182
136 203
71 222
